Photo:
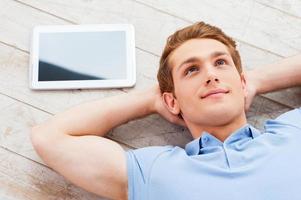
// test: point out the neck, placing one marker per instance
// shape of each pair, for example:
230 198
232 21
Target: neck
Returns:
222 131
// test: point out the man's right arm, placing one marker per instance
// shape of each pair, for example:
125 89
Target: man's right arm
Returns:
69 142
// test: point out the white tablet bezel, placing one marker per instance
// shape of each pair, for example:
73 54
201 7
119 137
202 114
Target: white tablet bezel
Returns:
117 83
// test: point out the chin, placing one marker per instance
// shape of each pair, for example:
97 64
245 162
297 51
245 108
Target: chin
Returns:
220 116
219 120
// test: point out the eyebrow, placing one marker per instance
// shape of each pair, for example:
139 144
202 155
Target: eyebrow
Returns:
196 59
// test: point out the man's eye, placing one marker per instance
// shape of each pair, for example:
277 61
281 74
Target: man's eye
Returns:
191 70
220 62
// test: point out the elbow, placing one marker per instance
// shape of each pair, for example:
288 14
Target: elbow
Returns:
41 138
38 138
45 142
44 138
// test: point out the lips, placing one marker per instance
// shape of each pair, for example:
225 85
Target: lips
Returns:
214 91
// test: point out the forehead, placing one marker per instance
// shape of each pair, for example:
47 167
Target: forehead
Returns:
200 48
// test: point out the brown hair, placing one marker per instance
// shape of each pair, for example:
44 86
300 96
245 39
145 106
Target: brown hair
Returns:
197 30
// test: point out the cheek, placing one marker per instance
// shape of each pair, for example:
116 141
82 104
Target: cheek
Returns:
187 96
238 94
185 87
234 82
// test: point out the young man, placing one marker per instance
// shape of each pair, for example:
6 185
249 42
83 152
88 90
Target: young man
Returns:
201 86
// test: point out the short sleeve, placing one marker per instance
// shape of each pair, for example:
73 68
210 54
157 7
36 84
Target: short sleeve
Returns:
139 164
292 117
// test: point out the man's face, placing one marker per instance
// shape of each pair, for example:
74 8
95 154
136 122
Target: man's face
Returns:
201 67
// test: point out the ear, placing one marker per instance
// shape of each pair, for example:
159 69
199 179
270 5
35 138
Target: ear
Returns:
171 103
244 84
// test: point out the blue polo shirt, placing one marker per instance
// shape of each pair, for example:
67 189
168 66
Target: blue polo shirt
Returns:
249 164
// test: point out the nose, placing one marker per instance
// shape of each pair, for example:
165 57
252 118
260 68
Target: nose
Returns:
211 76
212 79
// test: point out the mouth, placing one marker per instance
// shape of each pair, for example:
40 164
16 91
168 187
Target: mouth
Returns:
215 93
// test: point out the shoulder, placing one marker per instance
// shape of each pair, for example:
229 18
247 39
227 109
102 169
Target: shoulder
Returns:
292 117
290 114
147 155
287 122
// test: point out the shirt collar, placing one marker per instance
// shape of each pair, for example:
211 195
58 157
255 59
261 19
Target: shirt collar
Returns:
208 140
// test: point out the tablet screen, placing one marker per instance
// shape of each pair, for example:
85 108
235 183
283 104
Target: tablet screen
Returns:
65 56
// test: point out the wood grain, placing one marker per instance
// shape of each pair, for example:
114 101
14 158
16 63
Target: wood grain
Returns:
23 179
247 21
266 31
290 7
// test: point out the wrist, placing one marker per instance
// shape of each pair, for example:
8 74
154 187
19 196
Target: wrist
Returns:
149 101
154 96
255 81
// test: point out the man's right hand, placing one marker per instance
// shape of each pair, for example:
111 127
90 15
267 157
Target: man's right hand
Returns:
161 108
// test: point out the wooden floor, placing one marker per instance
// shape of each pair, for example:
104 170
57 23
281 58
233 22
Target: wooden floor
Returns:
267 30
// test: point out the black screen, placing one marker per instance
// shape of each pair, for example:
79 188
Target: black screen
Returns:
82 56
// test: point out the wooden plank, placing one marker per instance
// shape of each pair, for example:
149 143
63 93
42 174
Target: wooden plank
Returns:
150 25
257 24
22 179
252 57
15 126
4 102
247 21
17 23
291 7
290 97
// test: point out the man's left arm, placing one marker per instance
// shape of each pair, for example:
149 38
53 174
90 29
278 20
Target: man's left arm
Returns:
284 74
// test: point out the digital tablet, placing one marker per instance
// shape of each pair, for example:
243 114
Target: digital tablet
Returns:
82 56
